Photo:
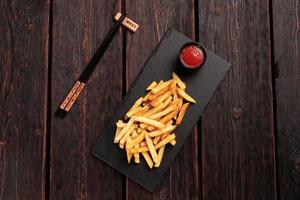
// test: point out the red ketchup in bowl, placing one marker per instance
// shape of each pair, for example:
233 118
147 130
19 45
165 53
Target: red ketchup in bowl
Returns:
192 55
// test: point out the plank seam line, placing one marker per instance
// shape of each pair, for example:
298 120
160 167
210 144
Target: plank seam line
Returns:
274 74
199 129
48 122
124 87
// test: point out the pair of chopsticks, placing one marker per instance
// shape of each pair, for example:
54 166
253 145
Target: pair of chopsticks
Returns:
70 99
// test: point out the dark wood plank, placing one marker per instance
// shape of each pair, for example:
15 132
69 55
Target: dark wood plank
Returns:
23 98
286 23
154 17
78 30
237 128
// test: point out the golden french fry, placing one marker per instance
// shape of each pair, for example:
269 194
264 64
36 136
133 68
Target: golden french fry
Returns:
146 98
150 122
182 113
133 111
170 116
148 159
120 124
185 95
160 87
139 149
165 141
179 82
118 129
127 134
143 125
143 144
156 139
173 86
125 129
128 152
160 99
173 142
136 104
152 85
151 148
139 130
165 135
162 131
143 110
155 96
160 107
164 112
137 158
137 140
160 155
169 123
134 134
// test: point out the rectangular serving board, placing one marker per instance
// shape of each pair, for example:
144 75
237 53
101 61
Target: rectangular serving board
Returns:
201 85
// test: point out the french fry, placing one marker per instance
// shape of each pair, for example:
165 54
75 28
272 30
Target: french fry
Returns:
136 155
143 110
162 131
185 95
125 129
160 156
134 134
156 139
148 159
139 149
143 144
151 86
150 122
151 148
118 129
143 125
179 82
160 107
137 140
164 136
165 141
173 86
160 87
133 111
155 96
136 104
170 116
160 99
127 134
164 112
120 124
139 130
128 152
182 113
146 98
173 142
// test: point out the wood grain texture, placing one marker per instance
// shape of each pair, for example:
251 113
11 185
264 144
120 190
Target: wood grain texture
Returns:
286 27
154 17
23 98
78 30
237 127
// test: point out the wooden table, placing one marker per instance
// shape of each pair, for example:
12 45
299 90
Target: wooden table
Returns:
246 146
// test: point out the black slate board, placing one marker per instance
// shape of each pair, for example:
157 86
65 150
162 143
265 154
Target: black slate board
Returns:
201 85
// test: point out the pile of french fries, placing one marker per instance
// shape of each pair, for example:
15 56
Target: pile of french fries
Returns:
151 121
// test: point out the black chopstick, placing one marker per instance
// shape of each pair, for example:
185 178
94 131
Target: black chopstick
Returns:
83 79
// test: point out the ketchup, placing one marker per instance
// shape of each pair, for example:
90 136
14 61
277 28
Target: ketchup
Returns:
192 56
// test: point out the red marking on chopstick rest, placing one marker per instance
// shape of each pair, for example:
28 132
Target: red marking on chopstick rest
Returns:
192 56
